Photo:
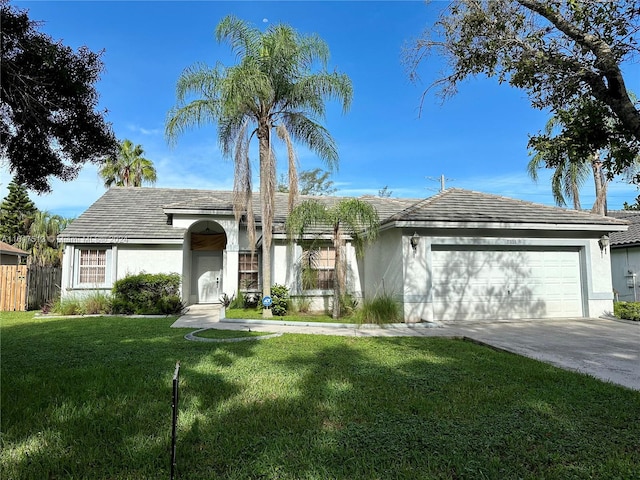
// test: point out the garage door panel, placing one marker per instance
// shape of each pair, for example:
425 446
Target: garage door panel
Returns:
503 284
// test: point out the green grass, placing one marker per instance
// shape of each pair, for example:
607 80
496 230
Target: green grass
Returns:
214 333
90 398
256 314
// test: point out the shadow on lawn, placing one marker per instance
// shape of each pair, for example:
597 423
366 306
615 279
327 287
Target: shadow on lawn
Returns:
303 406
91 398
444 412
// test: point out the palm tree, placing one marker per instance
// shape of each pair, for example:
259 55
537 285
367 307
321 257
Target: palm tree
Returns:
129 168
42 241
348 218
570 172
272 89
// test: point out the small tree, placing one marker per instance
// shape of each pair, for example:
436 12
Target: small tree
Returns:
310 182
42 241
348 218
16 214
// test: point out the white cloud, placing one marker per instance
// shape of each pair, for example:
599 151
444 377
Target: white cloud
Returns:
144 131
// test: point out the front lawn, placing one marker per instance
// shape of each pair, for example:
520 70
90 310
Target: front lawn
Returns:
90 398
256 314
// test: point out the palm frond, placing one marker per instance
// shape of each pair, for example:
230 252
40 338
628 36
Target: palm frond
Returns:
240 35
313 135
283 134
195 114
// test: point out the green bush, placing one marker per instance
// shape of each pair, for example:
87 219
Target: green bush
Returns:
238 301
67 306
300 305
280 297
382 309
627 310
96 302
148 294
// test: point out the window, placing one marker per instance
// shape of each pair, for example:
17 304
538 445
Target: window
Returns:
92 267
248 271
318 267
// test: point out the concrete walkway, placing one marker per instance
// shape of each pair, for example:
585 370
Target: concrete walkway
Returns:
604 348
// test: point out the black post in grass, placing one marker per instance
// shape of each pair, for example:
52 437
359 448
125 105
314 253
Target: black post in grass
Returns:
174 406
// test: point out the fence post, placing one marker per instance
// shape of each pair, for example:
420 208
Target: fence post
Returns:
174 423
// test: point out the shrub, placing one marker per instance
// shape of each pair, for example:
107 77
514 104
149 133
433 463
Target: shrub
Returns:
96 302
348 304
627 310
280 297
382 309
226 300
147 293
238 301
300 305
68 306
251 300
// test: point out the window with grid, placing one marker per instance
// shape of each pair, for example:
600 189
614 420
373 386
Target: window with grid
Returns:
248 271
318 268
92 267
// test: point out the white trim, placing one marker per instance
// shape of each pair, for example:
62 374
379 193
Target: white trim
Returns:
108 270
506 226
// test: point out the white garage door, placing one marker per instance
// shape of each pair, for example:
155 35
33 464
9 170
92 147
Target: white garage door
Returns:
471 284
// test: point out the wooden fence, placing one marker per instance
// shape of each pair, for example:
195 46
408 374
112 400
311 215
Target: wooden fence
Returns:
13 288
32 287
44 285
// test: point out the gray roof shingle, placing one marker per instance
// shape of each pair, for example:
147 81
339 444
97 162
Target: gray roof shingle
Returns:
632 235
466 206
139 213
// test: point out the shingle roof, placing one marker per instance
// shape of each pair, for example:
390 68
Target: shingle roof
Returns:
141 213
128 213
632 235
469 207
11 250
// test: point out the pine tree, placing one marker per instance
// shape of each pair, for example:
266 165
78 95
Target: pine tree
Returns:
16 214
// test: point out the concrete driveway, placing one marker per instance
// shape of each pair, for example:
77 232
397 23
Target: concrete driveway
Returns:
606 349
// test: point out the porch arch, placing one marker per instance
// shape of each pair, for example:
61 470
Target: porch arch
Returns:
205 247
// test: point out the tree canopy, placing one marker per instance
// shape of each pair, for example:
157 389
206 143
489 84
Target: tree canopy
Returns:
49 126
557 51
17 213
310 182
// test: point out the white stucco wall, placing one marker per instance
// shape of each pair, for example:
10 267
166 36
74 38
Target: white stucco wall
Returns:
599 290
383 266
624 263
134 259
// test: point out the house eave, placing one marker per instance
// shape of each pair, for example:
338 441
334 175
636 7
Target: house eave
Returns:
507 226
117 240
197 211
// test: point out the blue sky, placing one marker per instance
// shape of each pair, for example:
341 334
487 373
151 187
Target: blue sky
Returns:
477 139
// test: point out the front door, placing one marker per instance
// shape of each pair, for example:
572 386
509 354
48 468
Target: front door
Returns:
208 276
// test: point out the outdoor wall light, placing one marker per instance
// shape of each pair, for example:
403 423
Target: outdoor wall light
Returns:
603 242
414 241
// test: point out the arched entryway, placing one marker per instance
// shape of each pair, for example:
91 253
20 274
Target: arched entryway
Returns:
208 241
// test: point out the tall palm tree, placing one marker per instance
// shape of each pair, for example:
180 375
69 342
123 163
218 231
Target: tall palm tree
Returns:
129 168
348 218
271 89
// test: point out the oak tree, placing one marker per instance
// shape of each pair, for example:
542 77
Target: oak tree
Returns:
49 125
